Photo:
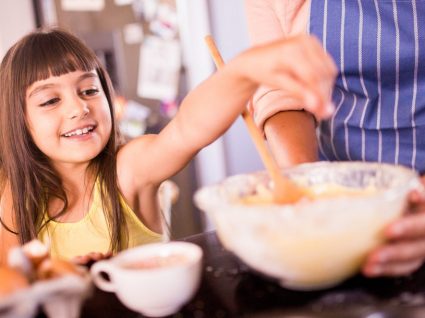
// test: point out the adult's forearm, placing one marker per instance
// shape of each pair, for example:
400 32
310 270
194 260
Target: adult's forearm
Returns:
291 136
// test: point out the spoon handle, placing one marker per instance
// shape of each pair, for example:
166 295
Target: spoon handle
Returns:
285 190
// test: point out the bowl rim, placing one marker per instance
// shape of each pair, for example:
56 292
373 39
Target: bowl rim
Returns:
412 177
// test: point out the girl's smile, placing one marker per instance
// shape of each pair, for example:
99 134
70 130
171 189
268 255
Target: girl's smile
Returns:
79 132
69 117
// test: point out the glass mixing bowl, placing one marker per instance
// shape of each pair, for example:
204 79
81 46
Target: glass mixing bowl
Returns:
320 240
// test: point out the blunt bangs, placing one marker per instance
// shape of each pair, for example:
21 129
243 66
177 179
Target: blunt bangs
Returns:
52 53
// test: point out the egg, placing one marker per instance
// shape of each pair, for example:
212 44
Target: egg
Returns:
21 262
53 268
11 281
36 251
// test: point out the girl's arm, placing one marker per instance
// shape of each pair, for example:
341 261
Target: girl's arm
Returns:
7 238
297 64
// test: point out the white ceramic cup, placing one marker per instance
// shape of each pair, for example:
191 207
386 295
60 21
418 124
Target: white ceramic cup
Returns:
155 279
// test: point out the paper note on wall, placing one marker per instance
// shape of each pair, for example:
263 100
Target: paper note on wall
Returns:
145 9
83 5
123 2
159 69
133 33
165 24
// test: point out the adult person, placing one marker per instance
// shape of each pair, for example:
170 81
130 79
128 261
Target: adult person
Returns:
379 49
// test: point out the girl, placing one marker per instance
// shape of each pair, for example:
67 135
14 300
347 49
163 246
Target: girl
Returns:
65 179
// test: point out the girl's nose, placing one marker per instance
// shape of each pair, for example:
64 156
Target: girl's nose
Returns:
78 108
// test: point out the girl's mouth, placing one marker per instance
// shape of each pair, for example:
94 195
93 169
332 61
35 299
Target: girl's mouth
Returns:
79 132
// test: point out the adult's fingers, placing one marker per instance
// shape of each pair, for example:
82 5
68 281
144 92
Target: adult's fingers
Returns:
391 269
401 251
410 226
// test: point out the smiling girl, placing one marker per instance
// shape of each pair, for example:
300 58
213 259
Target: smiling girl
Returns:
64 177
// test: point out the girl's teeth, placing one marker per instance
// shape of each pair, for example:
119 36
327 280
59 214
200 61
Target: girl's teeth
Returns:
79 132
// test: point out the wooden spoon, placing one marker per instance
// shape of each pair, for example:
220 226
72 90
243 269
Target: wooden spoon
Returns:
285 190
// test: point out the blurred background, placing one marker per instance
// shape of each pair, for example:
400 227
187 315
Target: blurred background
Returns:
155 53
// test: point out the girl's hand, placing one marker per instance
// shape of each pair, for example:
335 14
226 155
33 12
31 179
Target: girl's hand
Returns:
404 251
298 65
90 258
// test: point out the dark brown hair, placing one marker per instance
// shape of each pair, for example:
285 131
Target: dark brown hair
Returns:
37 56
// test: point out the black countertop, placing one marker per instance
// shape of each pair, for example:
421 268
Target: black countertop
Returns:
231 289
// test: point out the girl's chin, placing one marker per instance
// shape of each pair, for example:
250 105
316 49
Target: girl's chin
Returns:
79 158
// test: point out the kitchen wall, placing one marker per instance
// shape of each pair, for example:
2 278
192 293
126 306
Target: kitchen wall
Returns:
16 19
230 32
235 152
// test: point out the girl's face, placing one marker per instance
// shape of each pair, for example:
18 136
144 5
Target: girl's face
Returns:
69 117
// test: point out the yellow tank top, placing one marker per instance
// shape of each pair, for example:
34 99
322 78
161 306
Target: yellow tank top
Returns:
90 234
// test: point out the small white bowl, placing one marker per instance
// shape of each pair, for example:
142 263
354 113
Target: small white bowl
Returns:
155 279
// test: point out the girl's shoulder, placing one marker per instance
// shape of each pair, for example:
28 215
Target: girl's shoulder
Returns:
137 160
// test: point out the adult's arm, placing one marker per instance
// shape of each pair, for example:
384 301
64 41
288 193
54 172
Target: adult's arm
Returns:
292 138
289 129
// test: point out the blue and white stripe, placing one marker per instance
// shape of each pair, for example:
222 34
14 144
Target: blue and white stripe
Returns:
415 79
379 47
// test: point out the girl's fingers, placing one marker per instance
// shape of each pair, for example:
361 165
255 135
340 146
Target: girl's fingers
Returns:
80 260
306 66
315 70
320 59
297 65
93 256
320 64
311 99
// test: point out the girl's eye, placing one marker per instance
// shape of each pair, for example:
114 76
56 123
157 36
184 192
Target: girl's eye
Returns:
90 92
50 102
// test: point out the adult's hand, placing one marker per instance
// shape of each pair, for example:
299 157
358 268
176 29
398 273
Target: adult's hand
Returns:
404 251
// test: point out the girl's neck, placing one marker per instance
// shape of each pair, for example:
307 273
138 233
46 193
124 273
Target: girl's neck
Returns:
73 175
78 183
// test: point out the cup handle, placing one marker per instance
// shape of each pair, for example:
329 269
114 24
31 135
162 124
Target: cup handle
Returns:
99 268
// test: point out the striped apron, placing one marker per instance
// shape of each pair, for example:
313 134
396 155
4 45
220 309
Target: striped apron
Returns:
379 48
